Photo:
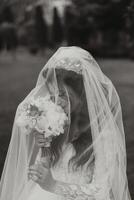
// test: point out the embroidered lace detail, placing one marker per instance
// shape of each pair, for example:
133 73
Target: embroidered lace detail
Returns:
70 64
76 192
77 185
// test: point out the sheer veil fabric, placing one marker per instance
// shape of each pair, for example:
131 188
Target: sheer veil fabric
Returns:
104 112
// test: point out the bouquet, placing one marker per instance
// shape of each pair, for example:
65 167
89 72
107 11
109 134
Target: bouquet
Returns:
43 115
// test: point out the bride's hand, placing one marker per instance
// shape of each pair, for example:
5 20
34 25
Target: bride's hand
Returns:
38 172
40 140
41 175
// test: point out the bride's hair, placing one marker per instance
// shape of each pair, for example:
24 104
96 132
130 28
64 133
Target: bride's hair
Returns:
79 132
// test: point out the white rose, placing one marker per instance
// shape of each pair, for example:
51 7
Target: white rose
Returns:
48 133
52 117
42 123
32 123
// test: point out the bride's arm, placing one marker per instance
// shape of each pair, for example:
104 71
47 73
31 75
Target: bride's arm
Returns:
69 191
72 191
91 191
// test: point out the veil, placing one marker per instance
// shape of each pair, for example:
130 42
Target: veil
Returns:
105 122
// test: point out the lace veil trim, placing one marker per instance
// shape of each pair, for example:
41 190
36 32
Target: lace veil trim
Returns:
71 64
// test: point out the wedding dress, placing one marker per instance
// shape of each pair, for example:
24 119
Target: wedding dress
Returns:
61 173
102 175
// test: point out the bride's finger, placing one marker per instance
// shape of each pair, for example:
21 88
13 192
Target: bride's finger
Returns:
34 178
30 173
32 170
40 170
37 180
38 134
34 173
39 137
41 144
41 140
34 166
31 176
38 167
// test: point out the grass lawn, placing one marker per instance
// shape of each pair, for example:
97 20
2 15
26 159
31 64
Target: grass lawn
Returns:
18 76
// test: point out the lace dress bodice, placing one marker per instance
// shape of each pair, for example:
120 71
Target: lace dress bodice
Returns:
62 172
75 185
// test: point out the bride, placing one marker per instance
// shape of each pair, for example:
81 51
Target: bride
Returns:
87 161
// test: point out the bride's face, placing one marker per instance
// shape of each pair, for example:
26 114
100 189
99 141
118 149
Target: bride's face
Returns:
79 112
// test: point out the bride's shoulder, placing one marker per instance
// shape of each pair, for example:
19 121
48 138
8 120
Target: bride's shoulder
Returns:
68 147
68 152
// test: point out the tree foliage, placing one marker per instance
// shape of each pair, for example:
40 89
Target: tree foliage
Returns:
96 20
57 28
41 30
7 15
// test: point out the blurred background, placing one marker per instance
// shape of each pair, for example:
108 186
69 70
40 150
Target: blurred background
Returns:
32 30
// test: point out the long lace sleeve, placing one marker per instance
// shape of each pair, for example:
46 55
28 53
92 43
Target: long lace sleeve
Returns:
81 192
85 185
96 187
